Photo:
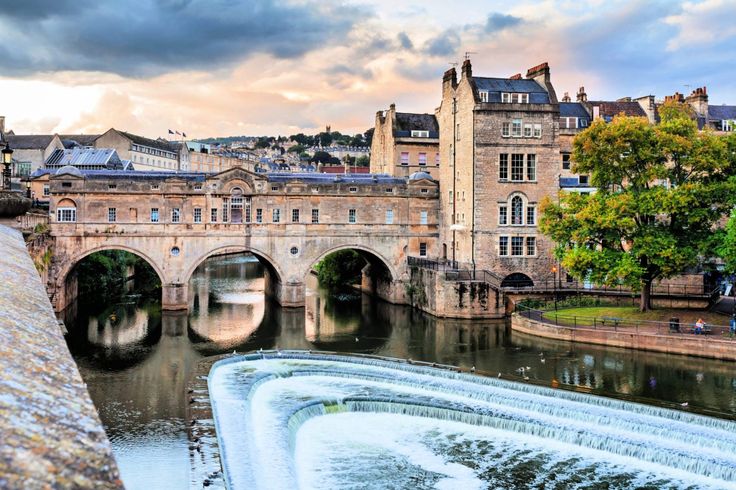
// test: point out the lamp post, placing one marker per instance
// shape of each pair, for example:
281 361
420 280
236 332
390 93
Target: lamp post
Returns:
7 161
554 283
28 188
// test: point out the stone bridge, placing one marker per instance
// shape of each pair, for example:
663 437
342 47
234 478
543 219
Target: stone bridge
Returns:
289 221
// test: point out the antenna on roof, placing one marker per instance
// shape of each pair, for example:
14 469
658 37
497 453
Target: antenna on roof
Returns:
453 63
468 53
687 87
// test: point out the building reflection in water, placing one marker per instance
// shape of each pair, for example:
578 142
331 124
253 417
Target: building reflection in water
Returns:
137 360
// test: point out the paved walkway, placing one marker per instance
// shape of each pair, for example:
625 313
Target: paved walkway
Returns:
725 306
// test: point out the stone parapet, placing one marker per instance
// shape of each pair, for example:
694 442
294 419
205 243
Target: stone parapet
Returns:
684 344
50 434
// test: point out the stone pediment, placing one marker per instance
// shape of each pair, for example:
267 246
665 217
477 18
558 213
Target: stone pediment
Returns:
238 177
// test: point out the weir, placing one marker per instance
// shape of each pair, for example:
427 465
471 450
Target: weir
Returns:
298 419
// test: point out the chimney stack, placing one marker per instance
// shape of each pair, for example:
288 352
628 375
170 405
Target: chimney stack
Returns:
582 96
450 78
2 125
467 70
566 97
699 101
515 77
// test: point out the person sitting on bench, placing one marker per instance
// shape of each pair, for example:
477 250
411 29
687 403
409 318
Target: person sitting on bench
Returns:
699 327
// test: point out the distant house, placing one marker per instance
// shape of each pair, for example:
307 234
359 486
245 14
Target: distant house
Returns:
30 151
404 143
145 153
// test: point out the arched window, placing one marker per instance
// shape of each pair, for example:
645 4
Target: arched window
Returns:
517 211
66 211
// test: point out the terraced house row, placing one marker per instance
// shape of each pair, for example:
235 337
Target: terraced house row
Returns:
498 146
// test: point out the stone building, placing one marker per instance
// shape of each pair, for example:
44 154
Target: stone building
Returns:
721 118
499 137
404 143
145 153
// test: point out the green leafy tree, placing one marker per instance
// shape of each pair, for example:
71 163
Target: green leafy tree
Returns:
340 270
727 244
660 192
321 157
298 149
363 161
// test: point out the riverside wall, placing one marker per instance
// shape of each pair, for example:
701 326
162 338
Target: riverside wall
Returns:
50 433
684 344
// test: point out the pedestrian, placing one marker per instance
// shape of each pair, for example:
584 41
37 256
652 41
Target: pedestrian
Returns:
699 326
732 329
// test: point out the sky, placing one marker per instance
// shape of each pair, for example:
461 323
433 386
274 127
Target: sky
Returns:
279 67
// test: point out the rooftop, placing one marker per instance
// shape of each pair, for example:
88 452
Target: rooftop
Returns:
407 122
573 109
496 86
609 109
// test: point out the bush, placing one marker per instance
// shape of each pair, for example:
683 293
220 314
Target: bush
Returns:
340 270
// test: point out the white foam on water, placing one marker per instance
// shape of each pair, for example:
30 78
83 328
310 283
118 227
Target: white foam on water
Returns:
281 418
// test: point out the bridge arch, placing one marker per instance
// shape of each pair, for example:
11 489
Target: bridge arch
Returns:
268 262
61 300
517 280
369 254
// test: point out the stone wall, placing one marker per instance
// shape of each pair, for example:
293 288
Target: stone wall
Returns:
50 432
429 291
692 345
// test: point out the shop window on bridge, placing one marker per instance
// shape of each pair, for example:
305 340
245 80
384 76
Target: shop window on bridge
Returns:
276 215
295 216
46 190
112 215
225 207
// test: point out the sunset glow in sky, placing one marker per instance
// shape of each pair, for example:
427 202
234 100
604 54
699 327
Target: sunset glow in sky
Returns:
257 67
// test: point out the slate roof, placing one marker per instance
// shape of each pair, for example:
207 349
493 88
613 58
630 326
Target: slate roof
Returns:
721 112
85 157
573 109
406 122
495 86
609 109
81 139
143 141
29 141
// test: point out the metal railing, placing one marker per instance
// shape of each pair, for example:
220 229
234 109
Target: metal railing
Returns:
646 327
551 285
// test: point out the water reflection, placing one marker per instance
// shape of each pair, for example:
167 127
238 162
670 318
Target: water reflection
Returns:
136 361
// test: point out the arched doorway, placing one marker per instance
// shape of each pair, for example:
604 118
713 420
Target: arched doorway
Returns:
517 280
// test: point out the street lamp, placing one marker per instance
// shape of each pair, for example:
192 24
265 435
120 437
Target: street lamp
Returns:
7 161
28 188
554 283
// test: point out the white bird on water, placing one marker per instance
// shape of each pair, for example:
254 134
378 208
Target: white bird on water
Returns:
684 404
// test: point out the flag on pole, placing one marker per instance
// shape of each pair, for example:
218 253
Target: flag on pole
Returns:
171 132
184 134
178 133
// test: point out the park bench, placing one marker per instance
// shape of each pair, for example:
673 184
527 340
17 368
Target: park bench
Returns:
706 330
611 320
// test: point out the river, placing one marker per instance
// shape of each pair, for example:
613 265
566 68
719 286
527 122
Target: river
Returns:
137 360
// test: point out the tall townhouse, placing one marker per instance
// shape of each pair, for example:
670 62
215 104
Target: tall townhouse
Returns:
499 137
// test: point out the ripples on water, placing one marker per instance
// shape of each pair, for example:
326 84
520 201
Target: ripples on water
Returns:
136 360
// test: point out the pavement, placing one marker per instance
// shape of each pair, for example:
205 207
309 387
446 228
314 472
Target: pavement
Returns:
725 306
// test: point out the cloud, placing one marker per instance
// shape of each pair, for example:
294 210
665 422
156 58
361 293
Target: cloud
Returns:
150 37
443 44
703 23
405 41
498 22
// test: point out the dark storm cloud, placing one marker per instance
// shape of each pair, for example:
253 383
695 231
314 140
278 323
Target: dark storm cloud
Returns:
444 44
150 37
498 22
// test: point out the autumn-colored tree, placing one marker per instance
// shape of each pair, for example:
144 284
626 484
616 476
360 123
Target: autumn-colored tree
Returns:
660 192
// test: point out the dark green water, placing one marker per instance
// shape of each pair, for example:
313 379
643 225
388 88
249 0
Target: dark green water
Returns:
137 360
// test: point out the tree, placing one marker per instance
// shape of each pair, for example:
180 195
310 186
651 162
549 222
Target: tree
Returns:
340 269
363 161
660 193
298 149
321 157
369 136
727 244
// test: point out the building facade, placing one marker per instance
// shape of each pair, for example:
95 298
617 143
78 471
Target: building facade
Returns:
145 153
404 143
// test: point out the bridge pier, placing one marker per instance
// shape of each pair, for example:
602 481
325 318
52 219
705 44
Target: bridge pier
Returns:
174 296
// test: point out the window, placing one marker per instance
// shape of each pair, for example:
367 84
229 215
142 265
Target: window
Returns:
213 215
505 97
582 122
483 95
528 130
516 128
537 130
503 245
175 251
197 215
112 186
517 167
352 216
422 249
583 180
197 187
353 189
294 251
419 134
66 184
154 215
424 190
274 188
422 159
405 158
503 166
506 129
175 215
503 215
66 215
389 190
437 159
517 245
295 216
423 218
531 167
517 208
259 215
531 245
531 215
315 216
508 98
389 216
112 215
276 216
565 161
46 190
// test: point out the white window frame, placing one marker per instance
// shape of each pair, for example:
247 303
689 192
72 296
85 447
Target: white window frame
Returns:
175 215
295 216
537 130
531 212
389 216
483 94
213 215
112 215
505 98
503 215
402 160
506 129
503 246
520 243
46 190
415 133
276 216
423 159
197 215
259 215
66 215
352 216
531 167
528 130
516 128
423 217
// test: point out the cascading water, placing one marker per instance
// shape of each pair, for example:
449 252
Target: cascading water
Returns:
303 420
